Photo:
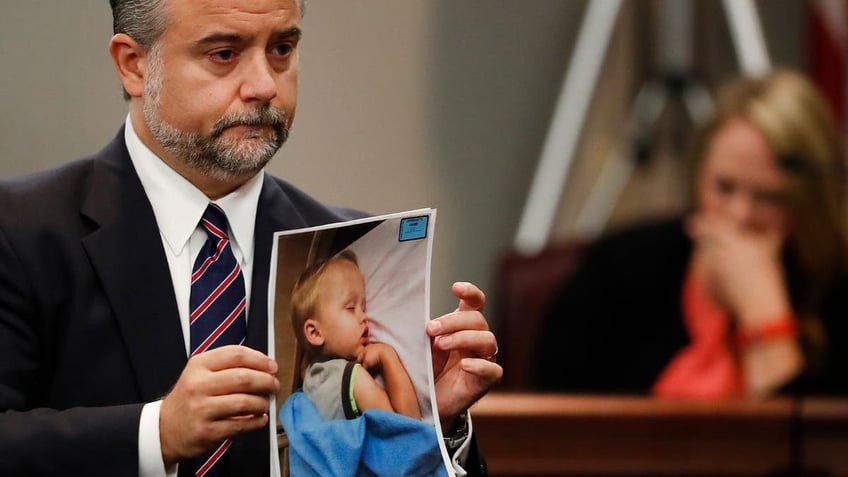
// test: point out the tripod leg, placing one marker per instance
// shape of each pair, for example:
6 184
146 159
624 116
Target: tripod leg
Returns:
642 119
748 40
564 132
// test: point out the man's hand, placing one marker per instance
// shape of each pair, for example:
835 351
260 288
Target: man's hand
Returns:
463 355
220 394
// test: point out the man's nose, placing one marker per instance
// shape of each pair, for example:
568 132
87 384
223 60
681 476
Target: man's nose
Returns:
259 83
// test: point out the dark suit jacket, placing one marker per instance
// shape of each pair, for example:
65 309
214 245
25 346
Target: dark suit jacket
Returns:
616 323
89 327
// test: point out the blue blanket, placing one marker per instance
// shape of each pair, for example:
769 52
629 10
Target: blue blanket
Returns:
378 443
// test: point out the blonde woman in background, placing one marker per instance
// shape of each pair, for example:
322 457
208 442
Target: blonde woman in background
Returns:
744 296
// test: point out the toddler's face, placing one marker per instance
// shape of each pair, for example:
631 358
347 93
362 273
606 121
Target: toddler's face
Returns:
340 311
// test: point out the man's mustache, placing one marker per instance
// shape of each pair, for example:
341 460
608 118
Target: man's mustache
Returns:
268 116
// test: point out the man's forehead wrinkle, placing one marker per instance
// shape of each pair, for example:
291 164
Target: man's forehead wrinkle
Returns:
192 11
221 20
238 7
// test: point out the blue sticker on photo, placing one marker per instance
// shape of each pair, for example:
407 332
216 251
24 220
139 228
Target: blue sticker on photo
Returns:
413 228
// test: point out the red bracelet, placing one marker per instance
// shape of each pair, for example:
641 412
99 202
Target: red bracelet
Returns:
782 328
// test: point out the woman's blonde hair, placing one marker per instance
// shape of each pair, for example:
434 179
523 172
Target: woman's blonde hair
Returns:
801 131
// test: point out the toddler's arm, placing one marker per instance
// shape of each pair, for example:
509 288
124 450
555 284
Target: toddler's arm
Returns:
399 395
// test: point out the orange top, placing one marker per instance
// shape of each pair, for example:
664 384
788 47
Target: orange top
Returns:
707 368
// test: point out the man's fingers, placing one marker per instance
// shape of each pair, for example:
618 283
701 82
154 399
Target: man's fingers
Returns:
242 380
479 376
470 297
235 356
221 393
213 432
488 372
457 321
237 406
480 343
191 429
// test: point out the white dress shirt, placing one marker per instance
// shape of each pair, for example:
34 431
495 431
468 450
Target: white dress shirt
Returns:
178 206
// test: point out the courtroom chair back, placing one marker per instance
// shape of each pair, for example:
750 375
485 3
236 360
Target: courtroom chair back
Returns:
524 284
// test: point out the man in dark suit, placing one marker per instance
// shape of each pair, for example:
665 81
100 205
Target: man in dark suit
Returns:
96 260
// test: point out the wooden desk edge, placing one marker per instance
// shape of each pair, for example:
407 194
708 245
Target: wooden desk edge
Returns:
516 405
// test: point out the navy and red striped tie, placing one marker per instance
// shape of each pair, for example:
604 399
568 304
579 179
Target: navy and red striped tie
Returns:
217 307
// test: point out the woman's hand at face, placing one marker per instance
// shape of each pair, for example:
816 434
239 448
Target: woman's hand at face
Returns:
741 268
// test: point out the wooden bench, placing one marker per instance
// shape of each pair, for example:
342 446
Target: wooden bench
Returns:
568 435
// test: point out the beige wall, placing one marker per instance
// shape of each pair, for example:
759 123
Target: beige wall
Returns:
403 104
58 93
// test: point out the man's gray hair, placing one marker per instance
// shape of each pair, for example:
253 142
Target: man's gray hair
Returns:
144 20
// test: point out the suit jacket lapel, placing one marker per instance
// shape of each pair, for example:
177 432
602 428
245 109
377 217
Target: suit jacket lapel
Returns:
274 213
127 254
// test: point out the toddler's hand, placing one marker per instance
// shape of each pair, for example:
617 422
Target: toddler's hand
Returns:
375 355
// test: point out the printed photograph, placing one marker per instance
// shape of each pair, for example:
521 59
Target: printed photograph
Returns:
350 303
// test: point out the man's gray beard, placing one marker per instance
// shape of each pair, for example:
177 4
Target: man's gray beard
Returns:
213 154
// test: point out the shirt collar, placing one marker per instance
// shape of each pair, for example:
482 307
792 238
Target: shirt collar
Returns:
178 205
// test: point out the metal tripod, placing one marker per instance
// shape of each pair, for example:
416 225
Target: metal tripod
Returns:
675 87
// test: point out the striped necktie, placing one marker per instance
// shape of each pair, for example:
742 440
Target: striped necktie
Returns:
217 306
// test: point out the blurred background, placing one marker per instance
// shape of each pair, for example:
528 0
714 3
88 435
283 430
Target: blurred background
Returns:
403 105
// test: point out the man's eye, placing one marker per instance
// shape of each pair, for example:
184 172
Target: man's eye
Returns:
283 49
223 55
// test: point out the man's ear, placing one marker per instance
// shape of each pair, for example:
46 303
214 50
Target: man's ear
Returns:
130 61
313 333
